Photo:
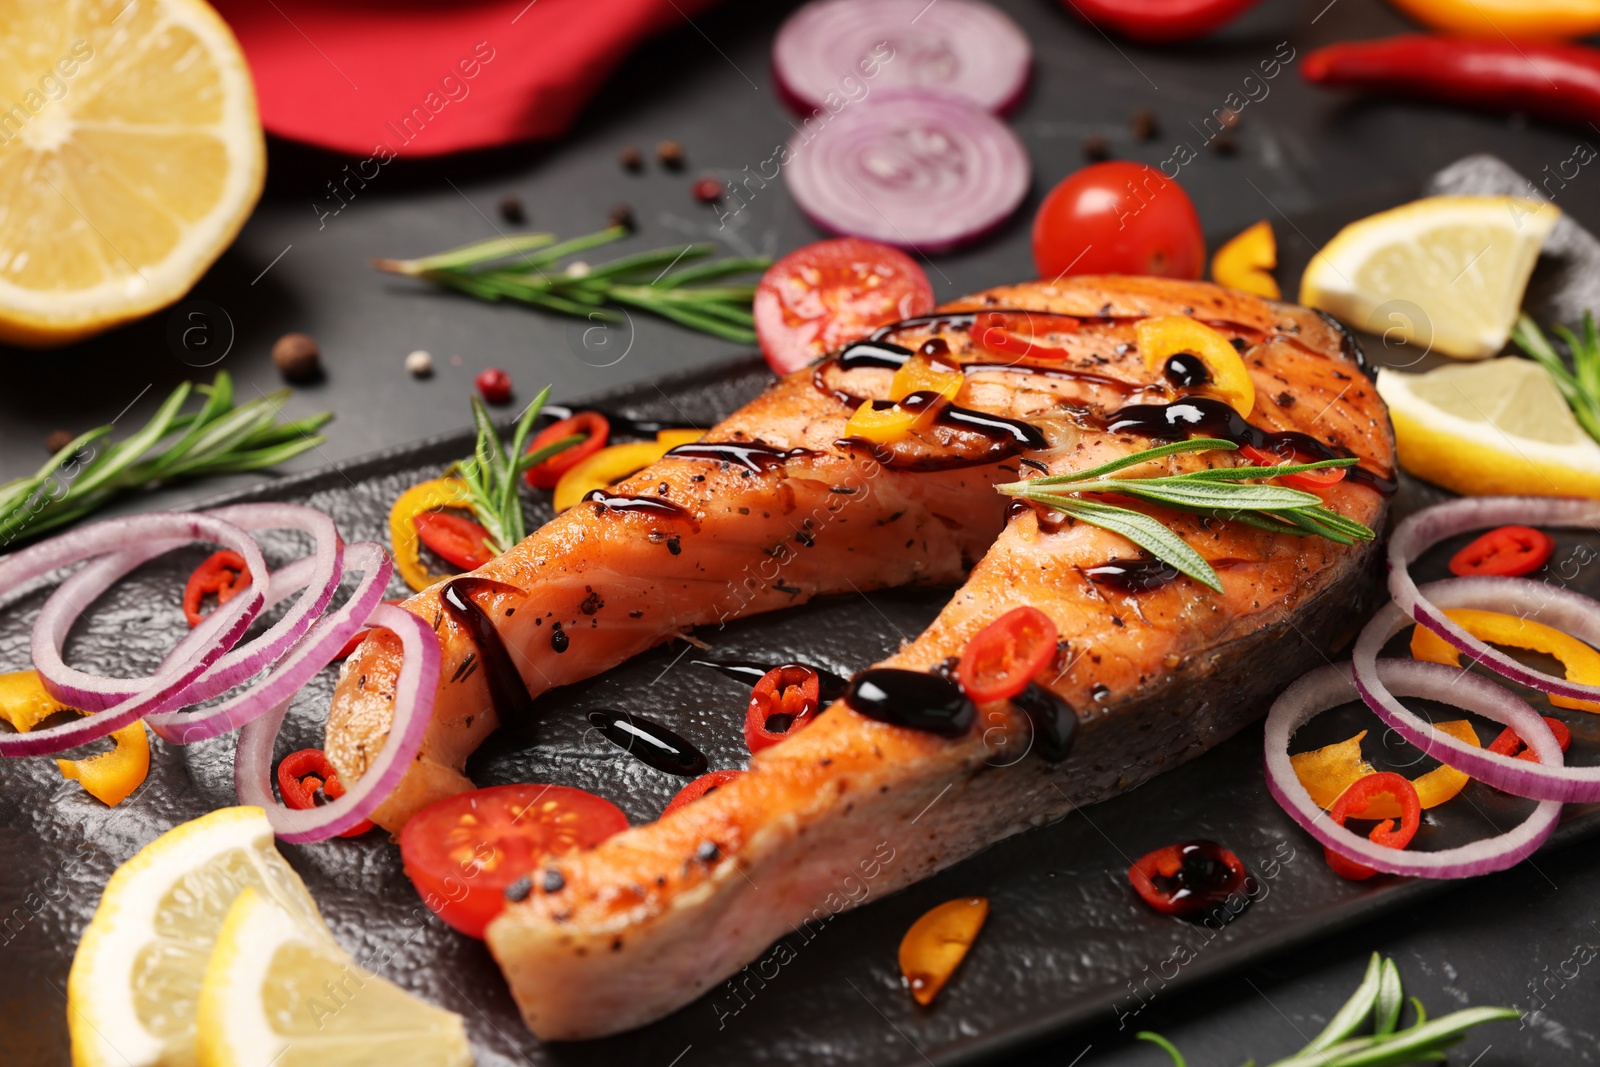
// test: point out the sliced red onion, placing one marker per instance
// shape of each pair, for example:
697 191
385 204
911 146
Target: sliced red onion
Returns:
298 666
1427 528
916 169
90 692
1328 687
230 622
837 53
413 709
1546 780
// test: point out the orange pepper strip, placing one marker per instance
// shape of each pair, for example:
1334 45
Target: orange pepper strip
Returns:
1581 662
934 385
1245 263
109 776
1328 771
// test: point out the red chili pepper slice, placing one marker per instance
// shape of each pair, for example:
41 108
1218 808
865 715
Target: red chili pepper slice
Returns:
1187 880
1311 481
786 699
223 573
1509 744
459 542
1506 552
699 788
1003 657
306 779
1354 800
1012 335
590 423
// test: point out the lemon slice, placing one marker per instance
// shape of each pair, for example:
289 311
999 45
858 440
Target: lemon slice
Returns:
135 981
1446 273
1494 427
280 992
130 155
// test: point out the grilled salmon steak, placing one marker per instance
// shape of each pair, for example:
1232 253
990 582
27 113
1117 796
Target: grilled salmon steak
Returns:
780 503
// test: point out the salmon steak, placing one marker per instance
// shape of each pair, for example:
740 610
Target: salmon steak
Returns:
781 502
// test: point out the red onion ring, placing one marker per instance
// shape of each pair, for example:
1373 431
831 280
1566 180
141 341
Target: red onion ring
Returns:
166 685
1427 528
1330 686
413 710
297 667
829 51
92 692
1545 780
915 169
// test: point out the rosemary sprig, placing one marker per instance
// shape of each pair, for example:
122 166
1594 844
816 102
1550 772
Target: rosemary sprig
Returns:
493 472
1378 998
220 438
1579 385
1216 492
523 268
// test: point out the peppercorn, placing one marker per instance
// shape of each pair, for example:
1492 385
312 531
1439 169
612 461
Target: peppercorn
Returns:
632 159
419 364
58 440
1229 119
707 190
1096 148
494 385
621 215
511 209
1145 124
1225 144
297 357
670 155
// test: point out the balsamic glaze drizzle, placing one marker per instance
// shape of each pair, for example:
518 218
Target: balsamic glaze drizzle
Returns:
751 455
1133 575
647 505
830 686
649 741
507 693
1055 724
915 699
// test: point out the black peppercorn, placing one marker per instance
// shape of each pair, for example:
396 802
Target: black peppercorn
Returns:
1096 148
511 209
518 891
631 159
621 215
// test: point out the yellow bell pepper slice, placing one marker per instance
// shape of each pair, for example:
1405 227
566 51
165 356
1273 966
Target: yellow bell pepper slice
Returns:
1327 772
922 374
1246 262
109 776
938 382
1500 19
612 464
427 496
1582 663
1161 337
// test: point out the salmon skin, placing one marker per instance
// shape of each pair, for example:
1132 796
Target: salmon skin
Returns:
624 933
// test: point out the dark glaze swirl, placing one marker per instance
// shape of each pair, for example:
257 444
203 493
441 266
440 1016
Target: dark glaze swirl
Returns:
508 695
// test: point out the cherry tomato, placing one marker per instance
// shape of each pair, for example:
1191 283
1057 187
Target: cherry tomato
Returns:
494 385
459 542
1354 800
223 573
1308 480
821 297
591 424
1186 880
786 699
698 788
1505 552
1003 657
306 779
1118 218
463 852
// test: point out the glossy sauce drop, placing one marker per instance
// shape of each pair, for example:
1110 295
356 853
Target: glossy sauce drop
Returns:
1192 879
831 686
644 505
752 456
937 943
1133 575
650 742
1055 724
1187 371
914 699
507 693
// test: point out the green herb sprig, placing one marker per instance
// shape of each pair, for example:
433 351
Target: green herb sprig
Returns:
1216 492
1380 999
493 472
220 438
523 268
1580 385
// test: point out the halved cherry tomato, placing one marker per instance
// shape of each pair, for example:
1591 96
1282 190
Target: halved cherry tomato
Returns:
698 788
1509 744
1506 552
1118 218
784 701
1308 480
1003 657
306 779
821 297
223 573
1353 804
463 852
592 424
459 542
1187 880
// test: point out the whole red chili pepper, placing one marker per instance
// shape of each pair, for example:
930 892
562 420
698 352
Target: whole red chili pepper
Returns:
1542 78
1159 21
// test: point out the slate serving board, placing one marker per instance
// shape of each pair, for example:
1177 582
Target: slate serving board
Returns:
1066 943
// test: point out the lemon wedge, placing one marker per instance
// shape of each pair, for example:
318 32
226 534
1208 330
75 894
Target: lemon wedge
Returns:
1493 427
1446 273
130 155
135 982
279 991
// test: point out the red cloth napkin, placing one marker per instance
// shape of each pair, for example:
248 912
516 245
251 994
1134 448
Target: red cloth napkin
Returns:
426 77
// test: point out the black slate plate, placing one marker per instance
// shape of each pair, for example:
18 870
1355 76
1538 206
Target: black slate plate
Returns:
1066 942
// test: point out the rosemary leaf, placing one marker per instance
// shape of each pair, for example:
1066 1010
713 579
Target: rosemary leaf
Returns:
1355 1011
1148 533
